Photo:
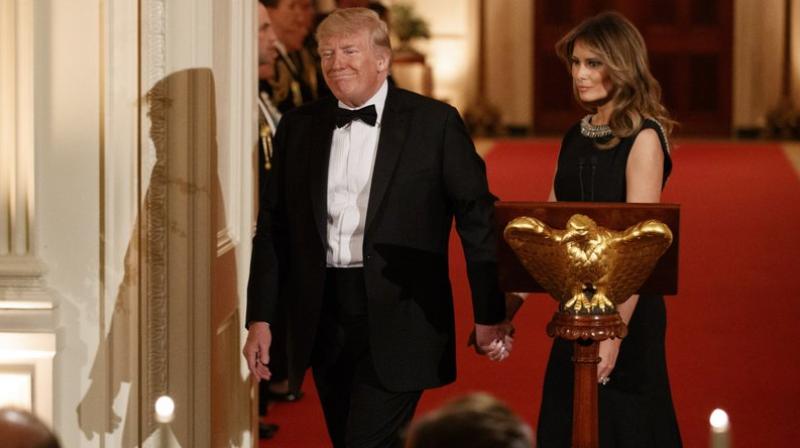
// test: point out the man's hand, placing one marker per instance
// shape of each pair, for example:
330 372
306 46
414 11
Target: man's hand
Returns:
256 350
494 341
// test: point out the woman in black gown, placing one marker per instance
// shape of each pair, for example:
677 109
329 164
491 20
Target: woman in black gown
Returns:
618 153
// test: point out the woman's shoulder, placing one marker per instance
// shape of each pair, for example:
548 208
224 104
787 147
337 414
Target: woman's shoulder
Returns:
658 128
653 138
654 124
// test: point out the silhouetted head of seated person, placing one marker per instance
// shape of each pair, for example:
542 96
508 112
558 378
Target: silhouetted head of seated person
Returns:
477 421
21 429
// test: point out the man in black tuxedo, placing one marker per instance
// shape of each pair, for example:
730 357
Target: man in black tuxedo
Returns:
353 238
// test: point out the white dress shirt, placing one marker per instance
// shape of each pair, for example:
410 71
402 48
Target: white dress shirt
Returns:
352 159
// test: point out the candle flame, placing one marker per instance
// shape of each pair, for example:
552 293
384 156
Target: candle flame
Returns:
165 409
719 420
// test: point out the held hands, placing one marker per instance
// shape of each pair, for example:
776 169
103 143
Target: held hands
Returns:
256 350
608 351
494 341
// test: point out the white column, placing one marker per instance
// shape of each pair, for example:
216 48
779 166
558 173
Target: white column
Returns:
20 271
27 338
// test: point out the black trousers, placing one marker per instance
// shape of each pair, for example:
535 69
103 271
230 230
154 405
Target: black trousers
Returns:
359 411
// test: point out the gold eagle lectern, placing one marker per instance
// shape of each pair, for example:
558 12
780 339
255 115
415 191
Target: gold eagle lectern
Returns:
589 269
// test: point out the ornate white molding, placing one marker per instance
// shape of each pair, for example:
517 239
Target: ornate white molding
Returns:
21 284
154 67
26 360
156 223
241 119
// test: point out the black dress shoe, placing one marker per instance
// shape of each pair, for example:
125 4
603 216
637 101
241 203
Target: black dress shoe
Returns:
267 430
284 396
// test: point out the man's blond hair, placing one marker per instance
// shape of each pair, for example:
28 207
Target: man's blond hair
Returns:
349 21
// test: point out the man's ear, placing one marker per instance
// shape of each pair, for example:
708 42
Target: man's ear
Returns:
383 60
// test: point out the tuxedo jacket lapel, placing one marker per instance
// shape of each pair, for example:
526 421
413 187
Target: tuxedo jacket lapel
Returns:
394 129
321 135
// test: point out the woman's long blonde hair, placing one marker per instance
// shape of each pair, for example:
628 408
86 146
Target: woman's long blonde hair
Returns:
636 95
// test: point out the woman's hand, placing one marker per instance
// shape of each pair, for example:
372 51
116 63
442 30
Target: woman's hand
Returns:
609 349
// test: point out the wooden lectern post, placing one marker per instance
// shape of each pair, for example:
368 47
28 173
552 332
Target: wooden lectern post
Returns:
586 330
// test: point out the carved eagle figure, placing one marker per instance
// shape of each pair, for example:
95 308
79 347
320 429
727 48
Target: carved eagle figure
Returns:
587 268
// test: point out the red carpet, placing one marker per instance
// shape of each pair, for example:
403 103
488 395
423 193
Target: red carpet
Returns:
738 303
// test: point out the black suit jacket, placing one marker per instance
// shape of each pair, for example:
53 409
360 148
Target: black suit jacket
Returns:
426 173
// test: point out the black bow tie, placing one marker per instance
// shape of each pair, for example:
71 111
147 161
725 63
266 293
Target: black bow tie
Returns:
366 114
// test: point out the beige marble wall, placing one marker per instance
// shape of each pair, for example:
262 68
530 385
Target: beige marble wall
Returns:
452 48
67 57
509 57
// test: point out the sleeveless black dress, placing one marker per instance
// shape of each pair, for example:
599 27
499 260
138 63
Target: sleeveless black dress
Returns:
635 406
